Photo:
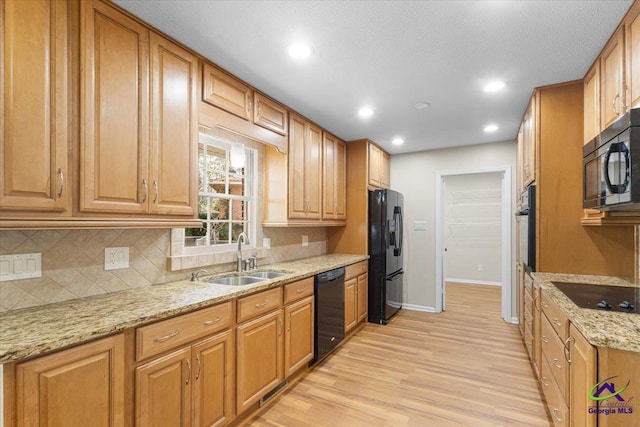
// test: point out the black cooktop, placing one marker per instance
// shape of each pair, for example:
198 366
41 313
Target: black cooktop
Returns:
599 297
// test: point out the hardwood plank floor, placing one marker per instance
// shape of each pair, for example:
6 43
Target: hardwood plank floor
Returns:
465 366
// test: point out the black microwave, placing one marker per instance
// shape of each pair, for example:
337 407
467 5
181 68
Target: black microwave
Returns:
611 166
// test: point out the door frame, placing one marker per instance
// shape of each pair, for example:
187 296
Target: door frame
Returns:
505 245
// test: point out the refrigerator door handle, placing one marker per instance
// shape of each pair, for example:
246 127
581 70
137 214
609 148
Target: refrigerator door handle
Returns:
393 276
400 229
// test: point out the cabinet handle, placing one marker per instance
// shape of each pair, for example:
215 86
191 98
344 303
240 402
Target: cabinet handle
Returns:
156 188
279 326
289 327
567 350
146 190
61 179
535 304
188 371
301 290
262 304
544 339
166 337
544 304
556 322
199 366
555 416
555 363
211 322
544 382
248 103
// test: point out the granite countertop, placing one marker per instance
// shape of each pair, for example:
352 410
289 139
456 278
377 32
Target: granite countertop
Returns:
33 331
601 328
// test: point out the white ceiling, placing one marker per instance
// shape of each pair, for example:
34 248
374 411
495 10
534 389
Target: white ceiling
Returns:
392 54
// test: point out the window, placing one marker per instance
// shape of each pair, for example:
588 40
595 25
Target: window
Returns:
226 195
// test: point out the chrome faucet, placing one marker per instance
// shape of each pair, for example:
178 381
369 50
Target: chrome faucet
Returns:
242 236
195 276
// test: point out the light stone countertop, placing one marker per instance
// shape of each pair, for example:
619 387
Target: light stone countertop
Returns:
33 331
601 328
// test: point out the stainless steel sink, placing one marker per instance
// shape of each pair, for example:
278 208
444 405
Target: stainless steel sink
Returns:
236 280
266 274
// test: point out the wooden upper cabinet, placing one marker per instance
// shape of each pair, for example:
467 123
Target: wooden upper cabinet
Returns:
385 169
269 114
225 91
529 143
34 127
334 177
81 386
375 155
519 180
174 130
305 169
114 110
592 102
612 97
632 44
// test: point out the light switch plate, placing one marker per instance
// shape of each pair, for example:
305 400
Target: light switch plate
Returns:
305 240
420 225
20 266
116 258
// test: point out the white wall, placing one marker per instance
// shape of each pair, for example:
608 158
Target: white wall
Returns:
473 221
414 175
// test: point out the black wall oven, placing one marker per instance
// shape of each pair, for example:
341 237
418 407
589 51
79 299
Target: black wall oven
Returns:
611 166
526 219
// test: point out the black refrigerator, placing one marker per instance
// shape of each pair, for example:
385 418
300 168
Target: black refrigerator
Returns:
385 254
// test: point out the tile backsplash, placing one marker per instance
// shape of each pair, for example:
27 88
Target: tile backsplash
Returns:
73 261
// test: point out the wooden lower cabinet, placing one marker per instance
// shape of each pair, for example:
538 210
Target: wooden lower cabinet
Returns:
582 377
362 297
259 358
192 386
350 304
298 342
356 303
79 387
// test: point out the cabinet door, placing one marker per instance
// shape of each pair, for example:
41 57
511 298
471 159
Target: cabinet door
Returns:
174 131
334 178
519 171
632 44
79 387
362 293
269 114
385 170
611 80
592 102
537 324
213 380
163 391
582 377
259 365
114 97
520 287
313 172
529 144
350 303
297 202
33 104
374 166
298 342
226 92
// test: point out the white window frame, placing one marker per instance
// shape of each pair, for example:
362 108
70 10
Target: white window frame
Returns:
251 179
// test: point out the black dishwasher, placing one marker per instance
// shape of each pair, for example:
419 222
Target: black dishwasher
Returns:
329 312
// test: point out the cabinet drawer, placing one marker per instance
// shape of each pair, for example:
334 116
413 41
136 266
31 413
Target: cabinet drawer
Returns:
162 336
556 316
528 283
528 300
528 341
555 402
298 290
356 269
553 351
263 302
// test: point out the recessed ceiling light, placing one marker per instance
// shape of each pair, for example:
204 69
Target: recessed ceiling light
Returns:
365 112
299 51
421 105
491 128
397 141
494 86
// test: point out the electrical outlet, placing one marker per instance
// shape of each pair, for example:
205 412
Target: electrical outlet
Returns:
305 240
480 267
266 243
116 258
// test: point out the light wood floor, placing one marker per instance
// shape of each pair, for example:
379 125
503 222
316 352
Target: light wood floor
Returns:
465 366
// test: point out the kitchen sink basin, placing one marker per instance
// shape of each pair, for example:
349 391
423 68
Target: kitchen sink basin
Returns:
236 280
267 274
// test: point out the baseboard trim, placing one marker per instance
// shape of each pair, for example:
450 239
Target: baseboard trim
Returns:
473 282
414 307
